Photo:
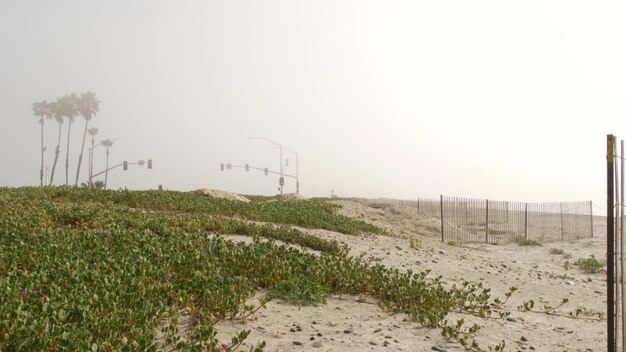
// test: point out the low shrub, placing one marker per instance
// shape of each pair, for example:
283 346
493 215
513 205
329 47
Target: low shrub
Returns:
590 265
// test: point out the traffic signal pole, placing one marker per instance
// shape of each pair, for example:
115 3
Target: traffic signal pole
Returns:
265 170
125 165
281 181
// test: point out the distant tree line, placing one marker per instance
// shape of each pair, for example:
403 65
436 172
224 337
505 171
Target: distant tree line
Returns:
66 109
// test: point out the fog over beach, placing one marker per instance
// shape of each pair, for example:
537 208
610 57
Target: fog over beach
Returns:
353 175
392 99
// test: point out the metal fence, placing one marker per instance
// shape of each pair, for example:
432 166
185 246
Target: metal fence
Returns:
468 220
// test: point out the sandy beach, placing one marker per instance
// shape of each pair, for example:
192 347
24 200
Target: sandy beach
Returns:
351 323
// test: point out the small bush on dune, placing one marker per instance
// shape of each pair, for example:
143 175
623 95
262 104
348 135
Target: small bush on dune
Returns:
526 242
590 265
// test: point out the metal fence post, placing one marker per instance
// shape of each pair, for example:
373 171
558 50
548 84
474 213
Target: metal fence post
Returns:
610 247
591 216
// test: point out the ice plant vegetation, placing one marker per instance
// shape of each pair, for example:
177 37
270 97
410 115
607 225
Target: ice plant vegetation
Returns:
93 270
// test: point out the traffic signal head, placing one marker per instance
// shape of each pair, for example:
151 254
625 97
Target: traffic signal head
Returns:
222 167
247 167
125 165
281 181
149 163
266 172
140 162
229 166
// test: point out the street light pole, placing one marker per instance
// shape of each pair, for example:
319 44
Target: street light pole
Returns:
281 181
297 174
108 143
106 174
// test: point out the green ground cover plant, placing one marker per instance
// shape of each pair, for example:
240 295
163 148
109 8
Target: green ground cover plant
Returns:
308 214
102 273
527 242
590 265
556 251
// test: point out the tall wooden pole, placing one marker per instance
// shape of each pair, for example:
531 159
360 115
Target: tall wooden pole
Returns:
610 252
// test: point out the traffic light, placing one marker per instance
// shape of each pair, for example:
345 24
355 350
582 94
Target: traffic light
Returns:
222 167
286 162
266 172
149 163
281 181
125 165
247 167
229 166
140 162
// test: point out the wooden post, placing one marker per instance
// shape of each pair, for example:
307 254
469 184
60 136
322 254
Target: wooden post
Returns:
591 213
441 206
561 210
487 221
526 221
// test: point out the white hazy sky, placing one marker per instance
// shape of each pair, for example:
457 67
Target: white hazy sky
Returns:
499 99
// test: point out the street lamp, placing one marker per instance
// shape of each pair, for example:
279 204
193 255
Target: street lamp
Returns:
281 181
108 143
92 132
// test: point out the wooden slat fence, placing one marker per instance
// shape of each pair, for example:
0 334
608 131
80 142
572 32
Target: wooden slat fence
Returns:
471 220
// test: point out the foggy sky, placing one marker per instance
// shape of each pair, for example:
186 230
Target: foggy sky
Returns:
493 99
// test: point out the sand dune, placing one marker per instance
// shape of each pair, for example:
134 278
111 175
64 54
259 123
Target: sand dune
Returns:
350 323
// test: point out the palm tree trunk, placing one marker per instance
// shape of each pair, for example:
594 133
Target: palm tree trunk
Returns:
82 149
67 154
41 170
106 173
56 155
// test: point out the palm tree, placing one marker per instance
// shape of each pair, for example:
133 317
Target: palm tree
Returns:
42 110
69 110
107 143
55 110
87 106
92 132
